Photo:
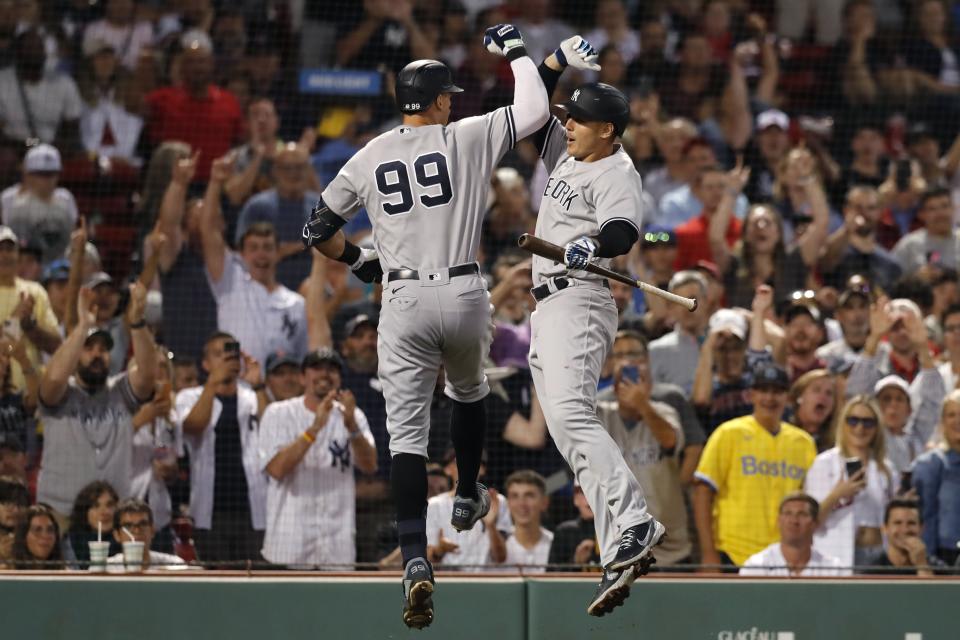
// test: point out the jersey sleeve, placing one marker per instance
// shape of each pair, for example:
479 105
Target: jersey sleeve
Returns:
271 435
342 195
554 144
490 135
715 461
618 195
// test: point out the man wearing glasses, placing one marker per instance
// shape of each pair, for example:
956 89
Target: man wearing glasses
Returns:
134 515
748 466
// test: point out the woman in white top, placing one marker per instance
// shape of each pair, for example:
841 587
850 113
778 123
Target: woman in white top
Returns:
851 505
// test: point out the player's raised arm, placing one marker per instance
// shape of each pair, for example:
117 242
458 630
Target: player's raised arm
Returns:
530 105
574 52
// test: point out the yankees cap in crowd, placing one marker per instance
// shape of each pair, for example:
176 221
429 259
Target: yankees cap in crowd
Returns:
320 357
278 359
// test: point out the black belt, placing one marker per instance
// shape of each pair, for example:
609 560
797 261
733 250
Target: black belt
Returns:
560 283
411 274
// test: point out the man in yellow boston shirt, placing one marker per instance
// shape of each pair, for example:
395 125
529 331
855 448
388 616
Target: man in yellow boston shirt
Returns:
748 465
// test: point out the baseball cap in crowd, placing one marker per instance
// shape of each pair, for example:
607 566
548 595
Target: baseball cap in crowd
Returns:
773 118
320 357
361 320
11 441
98 333
7 235
857 286
905 305
892 380
97 44
97 279
278 359
657 235
196 39
43 158
31 248
918 132
801 302
730 321
770 375
709 269
58 270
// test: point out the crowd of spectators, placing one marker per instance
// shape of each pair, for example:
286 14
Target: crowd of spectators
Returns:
177 371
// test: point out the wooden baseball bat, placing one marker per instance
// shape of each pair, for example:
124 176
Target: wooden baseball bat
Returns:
548 250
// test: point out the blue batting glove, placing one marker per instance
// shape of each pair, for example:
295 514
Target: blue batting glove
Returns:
505 40
578 254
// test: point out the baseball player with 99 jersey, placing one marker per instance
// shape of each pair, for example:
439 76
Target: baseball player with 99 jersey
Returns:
592 207
424 184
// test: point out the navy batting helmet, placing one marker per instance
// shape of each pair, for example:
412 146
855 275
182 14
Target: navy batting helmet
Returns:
420 82
599 102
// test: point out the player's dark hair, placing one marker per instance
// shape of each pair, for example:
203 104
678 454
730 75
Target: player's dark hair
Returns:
800 496
259 230
902 503
526 476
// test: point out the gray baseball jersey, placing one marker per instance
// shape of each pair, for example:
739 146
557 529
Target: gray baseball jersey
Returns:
581 197
572 331
425 188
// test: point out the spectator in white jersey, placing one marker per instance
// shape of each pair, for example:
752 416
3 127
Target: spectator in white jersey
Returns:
794 554
311 445
528 547
220 423
252 305
87 415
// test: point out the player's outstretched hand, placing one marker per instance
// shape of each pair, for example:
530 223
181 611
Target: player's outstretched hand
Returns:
577 53
579 253
504 40
368 268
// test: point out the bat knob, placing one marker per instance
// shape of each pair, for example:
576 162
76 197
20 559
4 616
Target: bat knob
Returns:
523 239
694 306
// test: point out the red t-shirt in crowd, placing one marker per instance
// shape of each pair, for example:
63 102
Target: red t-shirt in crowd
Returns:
693 243
212 124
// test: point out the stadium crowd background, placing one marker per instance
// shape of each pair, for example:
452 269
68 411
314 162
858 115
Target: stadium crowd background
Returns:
158 159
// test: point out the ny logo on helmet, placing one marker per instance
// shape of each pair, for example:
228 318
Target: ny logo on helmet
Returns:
576 94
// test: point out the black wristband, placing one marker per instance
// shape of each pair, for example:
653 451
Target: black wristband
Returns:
138 325
28 323
350 255
516 52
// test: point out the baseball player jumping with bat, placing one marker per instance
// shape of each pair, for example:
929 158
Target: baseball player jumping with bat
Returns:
591 206
424 184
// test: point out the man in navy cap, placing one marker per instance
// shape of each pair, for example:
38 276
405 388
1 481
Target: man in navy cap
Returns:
748 465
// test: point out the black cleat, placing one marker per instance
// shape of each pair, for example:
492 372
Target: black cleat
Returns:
418 594
614 587
636 545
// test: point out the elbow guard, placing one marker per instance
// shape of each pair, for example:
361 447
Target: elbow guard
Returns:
322 225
